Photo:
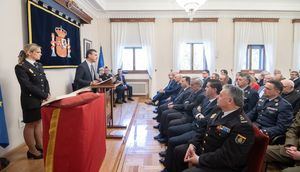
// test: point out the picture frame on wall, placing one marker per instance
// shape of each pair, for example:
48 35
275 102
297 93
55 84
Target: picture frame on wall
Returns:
87 44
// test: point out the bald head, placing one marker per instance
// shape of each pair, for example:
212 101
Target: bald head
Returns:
288 86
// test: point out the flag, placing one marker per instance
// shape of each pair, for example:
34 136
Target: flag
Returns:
3 131
101 60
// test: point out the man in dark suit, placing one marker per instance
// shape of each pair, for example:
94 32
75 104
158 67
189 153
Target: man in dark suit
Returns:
120 90
85 73
295 78
272 114
250 96
172 88
205 77
226 142
291 95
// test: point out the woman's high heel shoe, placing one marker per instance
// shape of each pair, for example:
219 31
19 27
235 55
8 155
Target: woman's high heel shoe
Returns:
39 149
32 156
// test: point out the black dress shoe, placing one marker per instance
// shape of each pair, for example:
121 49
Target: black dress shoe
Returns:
156 126
39 149
32 156
130 99
155 118
155 111
163 153
3 163
162 140
124 101
119 102
159 136
164 170
163 161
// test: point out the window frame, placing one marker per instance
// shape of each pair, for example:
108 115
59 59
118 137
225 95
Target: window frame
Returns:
192 71
134 71
262 57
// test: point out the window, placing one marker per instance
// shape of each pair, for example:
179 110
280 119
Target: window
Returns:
193 57
255 57
134 59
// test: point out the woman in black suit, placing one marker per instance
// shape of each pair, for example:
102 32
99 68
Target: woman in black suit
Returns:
34 89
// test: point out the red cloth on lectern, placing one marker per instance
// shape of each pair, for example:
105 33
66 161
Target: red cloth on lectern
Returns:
80 137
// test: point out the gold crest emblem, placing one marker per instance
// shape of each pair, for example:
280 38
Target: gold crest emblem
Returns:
239 139
60 45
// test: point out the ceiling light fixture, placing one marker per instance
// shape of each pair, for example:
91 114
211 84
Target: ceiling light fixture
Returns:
191 6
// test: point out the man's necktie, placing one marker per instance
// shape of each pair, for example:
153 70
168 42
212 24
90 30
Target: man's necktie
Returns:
93 72
36 64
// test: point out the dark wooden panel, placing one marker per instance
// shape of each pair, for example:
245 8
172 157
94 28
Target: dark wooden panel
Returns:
256 20
74 8
296 20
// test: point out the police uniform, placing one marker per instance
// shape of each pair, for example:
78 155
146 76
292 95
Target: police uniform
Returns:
273 117
250 99
276 153
223 147
34 88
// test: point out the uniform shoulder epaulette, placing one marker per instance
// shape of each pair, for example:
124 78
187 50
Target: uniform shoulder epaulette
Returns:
243 120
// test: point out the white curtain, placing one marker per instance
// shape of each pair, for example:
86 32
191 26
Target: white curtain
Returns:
241 39
255 33
270 31
209 38
147 42
118 34
186 32
178 40
296 57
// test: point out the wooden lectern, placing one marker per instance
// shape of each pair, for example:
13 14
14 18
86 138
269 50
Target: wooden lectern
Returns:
108 87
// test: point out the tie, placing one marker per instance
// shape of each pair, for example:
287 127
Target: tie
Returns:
93 72
36 64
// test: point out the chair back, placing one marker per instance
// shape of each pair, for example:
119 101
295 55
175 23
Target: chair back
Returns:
257 152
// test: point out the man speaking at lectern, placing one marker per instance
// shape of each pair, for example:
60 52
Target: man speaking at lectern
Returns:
86 74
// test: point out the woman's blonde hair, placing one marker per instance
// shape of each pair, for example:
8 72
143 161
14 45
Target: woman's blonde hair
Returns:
26 49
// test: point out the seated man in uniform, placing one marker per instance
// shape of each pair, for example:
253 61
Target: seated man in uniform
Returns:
227 139
287 154
272 114
120 90
106 75
250 96
85 72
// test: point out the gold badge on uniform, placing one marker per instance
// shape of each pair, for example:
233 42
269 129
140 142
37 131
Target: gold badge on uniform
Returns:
239 139
213 115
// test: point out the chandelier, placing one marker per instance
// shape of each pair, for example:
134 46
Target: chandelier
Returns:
191 6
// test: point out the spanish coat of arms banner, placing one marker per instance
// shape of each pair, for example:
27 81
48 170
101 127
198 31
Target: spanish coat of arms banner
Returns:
56 33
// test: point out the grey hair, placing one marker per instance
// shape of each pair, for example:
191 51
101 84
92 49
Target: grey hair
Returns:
236 93
197 81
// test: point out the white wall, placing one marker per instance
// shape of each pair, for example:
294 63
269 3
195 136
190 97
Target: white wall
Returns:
13 32
225 47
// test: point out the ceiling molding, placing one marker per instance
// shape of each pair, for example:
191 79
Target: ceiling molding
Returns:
200 14
174 20
100 9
